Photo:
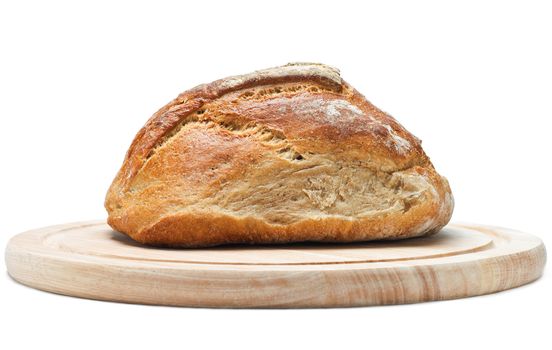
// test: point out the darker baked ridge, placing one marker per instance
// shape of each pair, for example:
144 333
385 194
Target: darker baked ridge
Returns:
190 101
164 122
259 130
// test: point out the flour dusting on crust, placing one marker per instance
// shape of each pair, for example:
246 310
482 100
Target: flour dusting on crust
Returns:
333 111
321 71
341 114
401 145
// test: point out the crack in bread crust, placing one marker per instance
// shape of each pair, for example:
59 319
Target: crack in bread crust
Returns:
254 130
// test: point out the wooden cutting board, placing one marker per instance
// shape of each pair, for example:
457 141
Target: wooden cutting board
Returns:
90 260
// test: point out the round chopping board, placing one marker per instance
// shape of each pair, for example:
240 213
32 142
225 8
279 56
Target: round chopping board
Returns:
90 260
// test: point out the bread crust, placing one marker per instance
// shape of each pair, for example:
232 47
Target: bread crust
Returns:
286 154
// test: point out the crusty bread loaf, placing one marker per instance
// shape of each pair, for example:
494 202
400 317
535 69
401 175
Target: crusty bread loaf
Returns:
285 154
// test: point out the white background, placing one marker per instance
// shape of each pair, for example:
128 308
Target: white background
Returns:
473 80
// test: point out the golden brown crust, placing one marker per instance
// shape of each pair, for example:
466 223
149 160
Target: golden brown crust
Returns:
190 101
282 155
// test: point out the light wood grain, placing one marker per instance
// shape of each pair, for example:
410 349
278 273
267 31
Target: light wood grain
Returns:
90 260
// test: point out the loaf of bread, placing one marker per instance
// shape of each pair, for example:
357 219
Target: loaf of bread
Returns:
285 154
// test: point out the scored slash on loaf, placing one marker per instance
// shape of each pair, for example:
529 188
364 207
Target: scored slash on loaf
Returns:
286 154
